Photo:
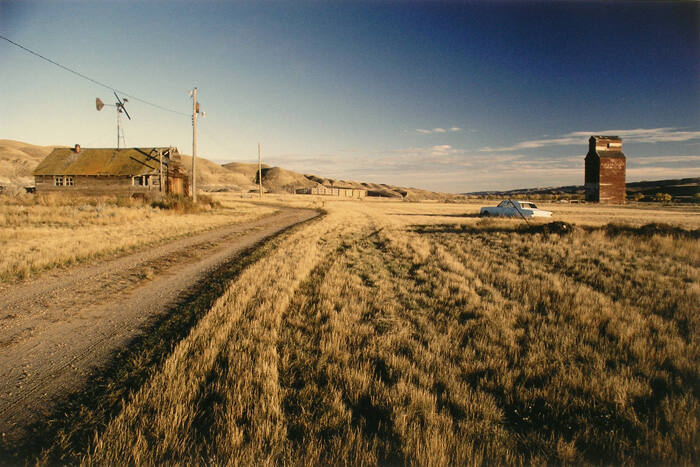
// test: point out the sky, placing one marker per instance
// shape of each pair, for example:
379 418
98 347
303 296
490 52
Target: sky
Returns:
445 96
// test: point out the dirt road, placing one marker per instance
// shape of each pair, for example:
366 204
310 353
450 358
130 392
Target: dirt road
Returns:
56 329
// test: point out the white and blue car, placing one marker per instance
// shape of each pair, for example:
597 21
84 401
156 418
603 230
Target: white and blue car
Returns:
512 208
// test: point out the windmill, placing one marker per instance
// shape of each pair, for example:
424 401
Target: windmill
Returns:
120 108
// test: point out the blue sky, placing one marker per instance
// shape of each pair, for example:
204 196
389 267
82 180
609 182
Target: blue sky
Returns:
448 96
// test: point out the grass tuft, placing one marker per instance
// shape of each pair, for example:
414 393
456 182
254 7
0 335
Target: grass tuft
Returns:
184 204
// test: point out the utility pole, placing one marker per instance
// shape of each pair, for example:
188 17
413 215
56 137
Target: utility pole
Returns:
259 170
195 110
119 126
160 160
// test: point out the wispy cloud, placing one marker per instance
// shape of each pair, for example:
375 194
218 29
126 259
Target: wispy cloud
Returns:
689 161
537 143
444 167
441 149
639 135
453 129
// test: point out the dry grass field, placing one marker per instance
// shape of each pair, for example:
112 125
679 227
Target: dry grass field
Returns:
44 232
420 334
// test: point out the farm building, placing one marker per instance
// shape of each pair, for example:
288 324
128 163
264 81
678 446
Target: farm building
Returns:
605 170
107 170
333 191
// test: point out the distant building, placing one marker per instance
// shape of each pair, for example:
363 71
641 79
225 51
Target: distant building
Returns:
333 191
605 170
94 171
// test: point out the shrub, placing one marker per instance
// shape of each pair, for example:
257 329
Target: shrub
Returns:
184 204
178 203
206 200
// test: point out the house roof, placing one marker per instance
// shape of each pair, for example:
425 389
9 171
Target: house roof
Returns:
100 161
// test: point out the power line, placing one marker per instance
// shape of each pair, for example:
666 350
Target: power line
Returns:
77 73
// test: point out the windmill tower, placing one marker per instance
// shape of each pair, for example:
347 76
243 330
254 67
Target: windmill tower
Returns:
120 106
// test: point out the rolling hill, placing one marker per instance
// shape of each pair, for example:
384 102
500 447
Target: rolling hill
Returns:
18 159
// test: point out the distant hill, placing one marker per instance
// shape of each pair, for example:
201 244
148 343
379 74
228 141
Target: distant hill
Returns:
681 189
214 177
678 188
241 176
18 160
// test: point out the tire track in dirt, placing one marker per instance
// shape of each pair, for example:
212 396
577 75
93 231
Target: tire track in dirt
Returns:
57 329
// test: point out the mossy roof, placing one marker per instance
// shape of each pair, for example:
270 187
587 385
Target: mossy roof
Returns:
100 161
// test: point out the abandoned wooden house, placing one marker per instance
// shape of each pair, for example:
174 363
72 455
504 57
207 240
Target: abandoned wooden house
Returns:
333 191
605 170
94 171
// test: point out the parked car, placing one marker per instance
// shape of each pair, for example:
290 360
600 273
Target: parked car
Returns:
511 208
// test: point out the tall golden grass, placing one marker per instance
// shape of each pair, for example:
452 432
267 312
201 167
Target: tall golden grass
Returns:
419 334
45 232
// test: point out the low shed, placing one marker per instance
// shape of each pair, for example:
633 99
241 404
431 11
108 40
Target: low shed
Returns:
333 191
107 170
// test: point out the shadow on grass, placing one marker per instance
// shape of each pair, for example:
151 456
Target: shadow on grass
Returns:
649 230
557 227
472 215
306 377
66 434
488 226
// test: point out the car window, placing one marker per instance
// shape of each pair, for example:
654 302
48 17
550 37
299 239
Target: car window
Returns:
502 204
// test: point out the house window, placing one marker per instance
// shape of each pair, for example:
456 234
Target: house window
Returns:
68 181
58 181
138 181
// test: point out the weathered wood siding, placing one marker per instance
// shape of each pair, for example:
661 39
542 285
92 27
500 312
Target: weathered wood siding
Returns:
94 184
177 186
612 180
94 171
605 171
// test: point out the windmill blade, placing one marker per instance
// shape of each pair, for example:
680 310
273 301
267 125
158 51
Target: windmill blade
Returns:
120 104
119 101
99 104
